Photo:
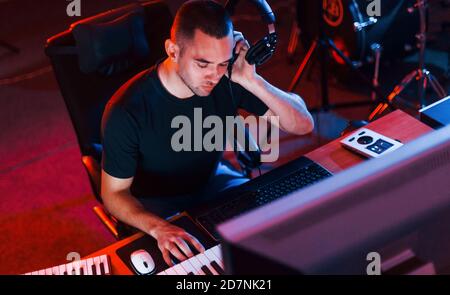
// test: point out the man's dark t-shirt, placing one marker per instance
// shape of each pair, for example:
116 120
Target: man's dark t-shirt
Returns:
137 134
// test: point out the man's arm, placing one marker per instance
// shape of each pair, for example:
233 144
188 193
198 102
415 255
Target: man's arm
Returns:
119 201
289 107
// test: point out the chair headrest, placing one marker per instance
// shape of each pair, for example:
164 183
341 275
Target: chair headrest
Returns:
112 47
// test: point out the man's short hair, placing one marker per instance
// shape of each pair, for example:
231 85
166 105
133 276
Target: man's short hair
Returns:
208 16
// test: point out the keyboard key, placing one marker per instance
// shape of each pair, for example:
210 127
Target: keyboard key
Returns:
82 267
76 267
188 266
171 272
206 270
206 262
55 270
197 265
213 258
90 266
180 270
62 269
303 176
69 269
98 270
217 250
105 263
217 268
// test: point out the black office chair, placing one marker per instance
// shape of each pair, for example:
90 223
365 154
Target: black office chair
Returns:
92 60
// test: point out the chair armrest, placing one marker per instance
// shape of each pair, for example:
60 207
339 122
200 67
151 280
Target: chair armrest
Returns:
94 171
117 228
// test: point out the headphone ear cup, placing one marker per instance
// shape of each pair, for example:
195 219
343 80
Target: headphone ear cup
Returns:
257 53
261 51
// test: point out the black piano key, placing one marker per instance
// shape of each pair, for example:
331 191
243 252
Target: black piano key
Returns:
190 273
102 269
81 271
206 270
94 269
217 268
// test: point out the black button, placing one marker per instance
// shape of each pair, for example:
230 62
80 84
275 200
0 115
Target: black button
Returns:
365 139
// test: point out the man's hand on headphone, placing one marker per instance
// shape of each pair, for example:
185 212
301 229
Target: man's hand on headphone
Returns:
242 72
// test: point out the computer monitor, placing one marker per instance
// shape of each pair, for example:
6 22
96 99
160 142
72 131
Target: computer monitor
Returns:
396 204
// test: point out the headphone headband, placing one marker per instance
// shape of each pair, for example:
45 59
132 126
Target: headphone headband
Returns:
264 48
263 7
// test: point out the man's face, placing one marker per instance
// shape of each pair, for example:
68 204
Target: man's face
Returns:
204 61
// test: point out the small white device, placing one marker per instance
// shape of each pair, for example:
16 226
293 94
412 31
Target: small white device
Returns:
142 262
369 143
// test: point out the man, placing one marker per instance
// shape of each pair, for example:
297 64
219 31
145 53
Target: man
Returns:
143 179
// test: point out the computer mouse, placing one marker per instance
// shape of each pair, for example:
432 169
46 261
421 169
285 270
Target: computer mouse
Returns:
142 262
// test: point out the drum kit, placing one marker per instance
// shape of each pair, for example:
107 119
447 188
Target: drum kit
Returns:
352 36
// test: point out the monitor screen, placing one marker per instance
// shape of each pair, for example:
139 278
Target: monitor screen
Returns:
396 203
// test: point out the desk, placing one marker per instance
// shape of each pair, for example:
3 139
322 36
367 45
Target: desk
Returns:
396 125
333 156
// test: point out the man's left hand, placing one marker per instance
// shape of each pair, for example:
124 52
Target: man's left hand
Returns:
243 72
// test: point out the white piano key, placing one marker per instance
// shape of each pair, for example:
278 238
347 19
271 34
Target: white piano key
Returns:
97 265
188 266
217 251
83 267
79 267
171 271
27 274
197 265
179 270
89 264
62 269
69 269
76 267
163 273
104 259
210 253
55 270
205 261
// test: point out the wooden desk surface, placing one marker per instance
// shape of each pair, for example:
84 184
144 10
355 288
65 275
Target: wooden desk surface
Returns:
396 125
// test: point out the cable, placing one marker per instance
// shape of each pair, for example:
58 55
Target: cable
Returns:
26 76
230 68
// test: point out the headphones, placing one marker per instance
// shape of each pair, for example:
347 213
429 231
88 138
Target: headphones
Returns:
257 54
262 50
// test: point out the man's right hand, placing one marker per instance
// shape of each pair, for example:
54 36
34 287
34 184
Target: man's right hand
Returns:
174 240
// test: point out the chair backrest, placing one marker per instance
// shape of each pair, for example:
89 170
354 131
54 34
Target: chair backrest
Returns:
91 60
